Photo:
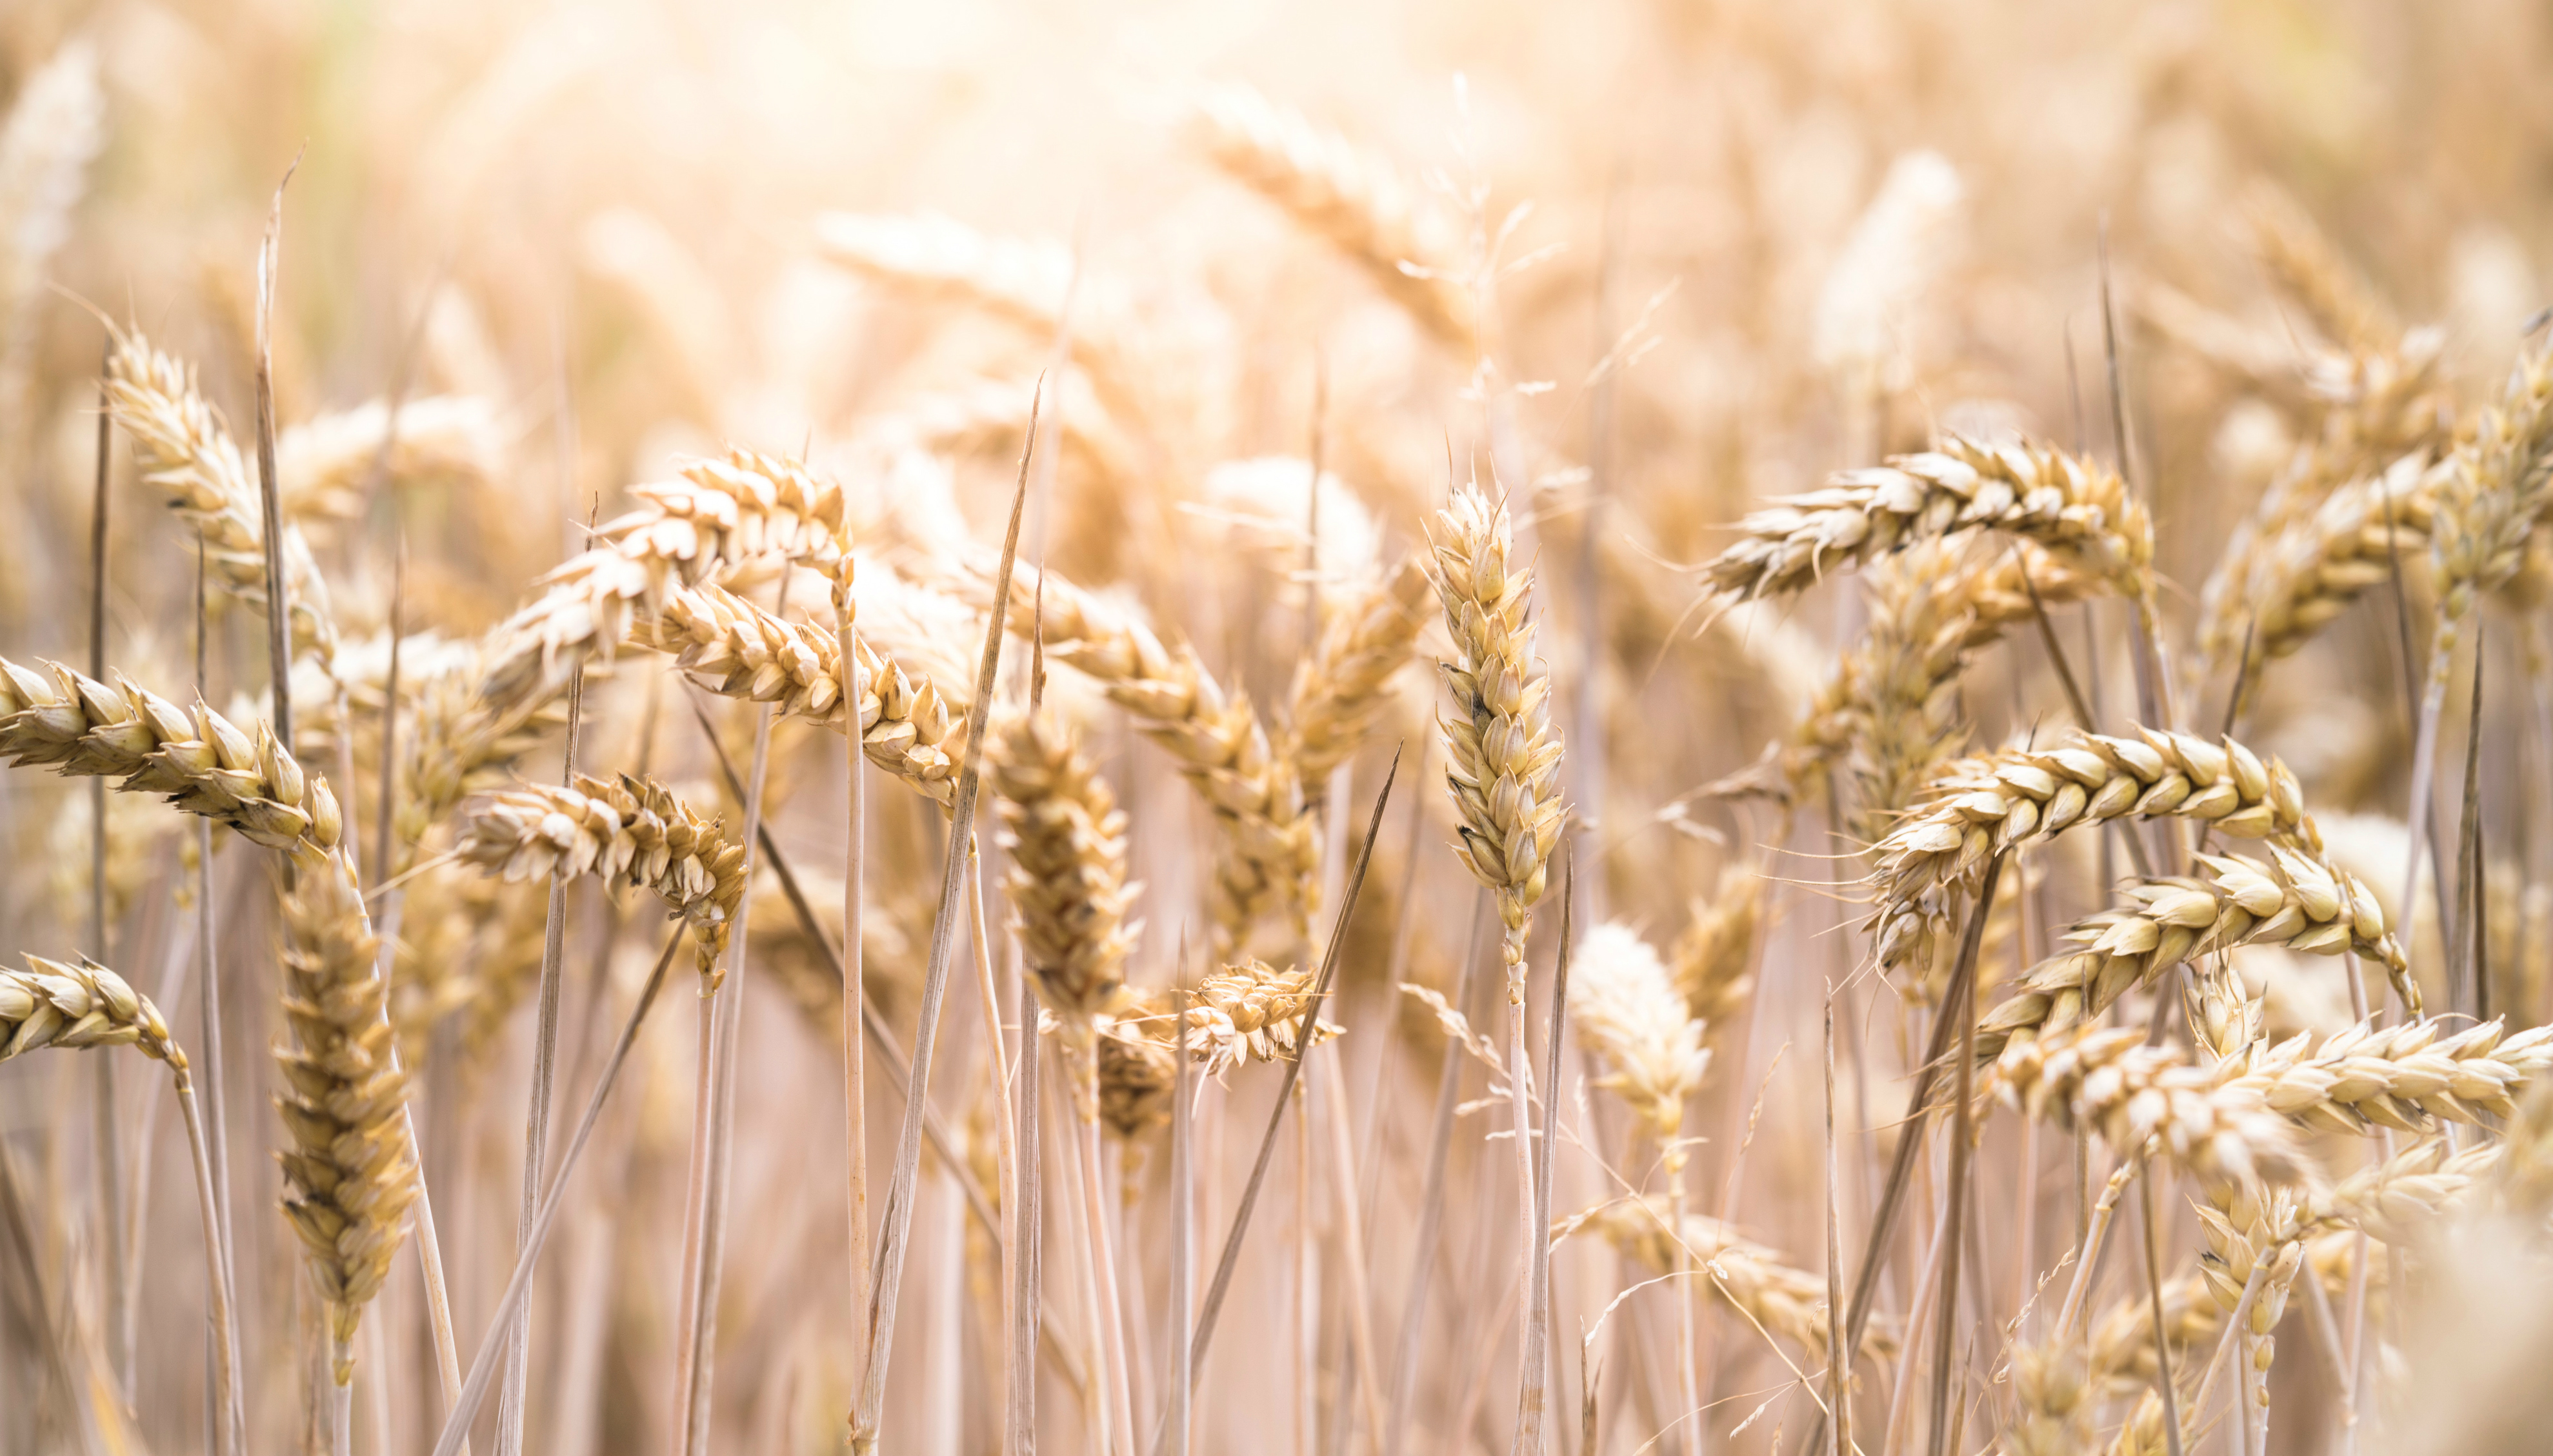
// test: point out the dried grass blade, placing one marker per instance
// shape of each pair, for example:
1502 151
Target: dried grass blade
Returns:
898 1227
1231 1258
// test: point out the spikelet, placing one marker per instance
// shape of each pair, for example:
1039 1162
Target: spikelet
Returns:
1712 959
1348 195
195 757
350 1173
1629 1013
1340 691
2298 901
51 1004
322 465
2075 510
2499 482
1067 877
1751 1278
1978 807
632 832
1503 751
2224 1132
187 452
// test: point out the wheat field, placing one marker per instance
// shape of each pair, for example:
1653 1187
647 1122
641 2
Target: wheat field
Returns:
1125 729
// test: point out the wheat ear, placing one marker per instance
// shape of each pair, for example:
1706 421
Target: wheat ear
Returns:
1977 807
2075 510
1348 195
2295 900
185 452
2402 1077
632 832
720 517
325 465
1712 959
53 1004
1268 852
1340 691
2222 1132
1243 1011
1502 772
351 1174
1751 1278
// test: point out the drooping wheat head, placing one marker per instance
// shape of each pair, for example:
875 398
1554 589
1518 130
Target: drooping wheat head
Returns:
1342 689
1787 1301
1977 807
2295 900
2222 1132
632 832
53 1004
2403 1077
187 452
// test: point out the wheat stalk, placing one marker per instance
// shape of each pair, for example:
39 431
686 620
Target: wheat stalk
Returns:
185 452
2076 511
632 832
1348 195
2295 900
1978 807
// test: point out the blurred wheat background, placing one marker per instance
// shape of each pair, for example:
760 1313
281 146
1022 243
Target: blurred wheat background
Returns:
1468 499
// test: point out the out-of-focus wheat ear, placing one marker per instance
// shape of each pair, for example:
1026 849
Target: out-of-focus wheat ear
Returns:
898 1219
472 1391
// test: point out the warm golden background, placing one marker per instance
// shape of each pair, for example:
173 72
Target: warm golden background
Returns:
1665 262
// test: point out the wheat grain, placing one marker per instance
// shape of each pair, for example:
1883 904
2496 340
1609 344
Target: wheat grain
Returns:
1348 195
350 1174
2076 511
2295 900
632 832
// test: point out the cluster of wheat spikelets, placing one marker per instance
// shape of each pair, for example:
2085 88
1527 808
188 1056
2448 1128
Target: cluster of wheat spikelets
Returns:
1988 848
